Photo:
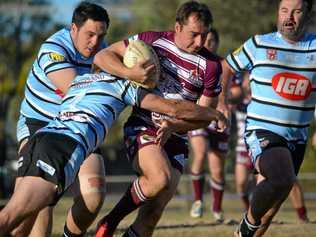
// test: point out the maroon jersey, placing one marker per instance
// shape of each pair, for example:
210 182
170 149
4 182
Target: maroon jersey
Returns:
183 75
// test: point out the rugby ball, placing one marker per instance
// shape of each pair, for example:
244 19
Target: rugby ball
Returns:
138 50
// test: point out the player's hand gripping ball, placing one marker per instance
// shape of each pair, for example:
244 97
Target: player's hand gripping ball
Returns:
138 50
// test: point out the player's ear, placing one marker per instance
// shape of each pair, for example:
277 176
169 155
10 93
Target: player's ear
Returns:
73 28
177 27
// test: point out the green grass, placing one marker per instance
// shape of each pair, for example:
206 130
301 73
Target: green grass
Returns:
177 222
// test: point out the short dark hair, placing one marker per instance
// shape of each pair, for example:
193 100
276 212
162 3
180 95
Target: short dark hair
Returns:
201 10
215 34
86 10
309 4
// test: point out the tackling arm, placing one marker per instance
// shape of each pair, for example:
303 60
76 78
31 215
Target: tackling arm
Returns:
110 60
62 78
180 109
227 75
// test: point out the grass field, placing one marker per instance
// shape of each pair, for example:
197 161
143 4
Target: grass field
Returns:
177 222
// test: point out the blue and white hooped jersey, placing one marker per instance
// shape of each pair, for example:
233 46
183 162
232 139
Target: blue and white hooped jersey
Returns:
282 82
90 107
41 97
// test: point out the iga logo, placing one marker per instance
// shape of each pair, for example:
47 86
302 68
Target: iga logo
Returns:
291 86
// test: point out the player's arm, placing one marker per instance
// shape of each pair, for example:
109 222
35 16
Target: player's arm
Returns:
236 95
170 126
55 63
110 60
180 109
227 75
62 78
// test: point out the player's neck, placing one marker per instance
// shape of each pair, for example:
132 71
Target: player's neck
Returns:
294 40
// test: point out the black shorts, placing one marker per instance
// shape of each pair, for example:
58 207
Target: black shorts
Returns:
32 126
257 141
53 157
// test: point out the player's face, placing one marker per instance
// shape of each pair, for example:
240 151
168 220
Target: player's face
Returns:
88 37
210 43
292 19
190 37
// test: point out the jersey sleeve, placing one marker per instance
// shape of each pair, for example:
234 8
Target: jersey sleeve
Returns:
53 57
212 85
148 37
242 58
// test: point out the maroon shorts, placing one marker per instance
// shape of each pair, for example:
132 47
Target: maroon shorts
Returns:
137 135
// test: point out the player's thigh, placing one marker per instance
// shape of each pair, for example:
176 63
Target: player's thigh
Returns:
199 147
152 161
32 194
241 174
216 162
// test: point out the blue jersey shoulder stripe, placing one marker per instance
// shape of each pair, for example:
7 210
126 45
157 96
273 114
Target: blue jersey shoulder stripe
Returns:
54 64
57 69
61 46
235 62
247 55
40 57
40 81
70 58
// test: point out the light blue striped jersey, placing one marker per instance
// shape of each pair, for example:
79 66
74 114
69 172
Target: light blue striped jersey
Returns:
282 81
41 97
91 105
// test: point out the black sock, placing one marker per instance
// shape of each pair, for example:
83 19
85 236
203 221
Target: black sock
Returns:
246 228
67 233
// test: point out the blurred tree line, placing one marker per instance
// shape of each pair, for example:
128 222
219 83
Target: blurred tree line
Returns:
25 24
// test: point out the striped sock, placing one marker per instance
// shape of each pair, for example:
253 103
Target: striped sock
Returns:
131 200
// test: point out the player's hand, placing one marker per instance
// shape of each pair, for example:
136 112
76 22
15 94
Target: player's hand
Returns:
226 112
164 132
142 72
222 123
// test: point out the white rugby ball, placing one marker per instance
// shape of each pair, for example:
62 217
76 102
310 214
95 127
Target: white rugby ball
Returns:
138 50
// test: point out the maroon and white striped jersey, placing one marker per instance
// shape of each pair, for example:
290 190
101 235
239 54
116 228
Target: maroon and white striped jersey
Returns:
183 75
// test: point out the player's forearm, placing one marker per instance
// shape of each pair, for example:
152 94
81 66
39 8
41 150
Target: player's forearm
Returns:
183 126
226 77
189 111
111 62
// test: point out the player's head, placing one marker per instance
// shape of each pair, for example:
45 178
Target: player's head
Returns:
293 18
193 20
212 40
88 28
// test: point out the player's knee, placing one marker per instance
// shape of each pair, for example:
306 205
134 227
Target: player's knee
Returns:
92 192
283 185
160 182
